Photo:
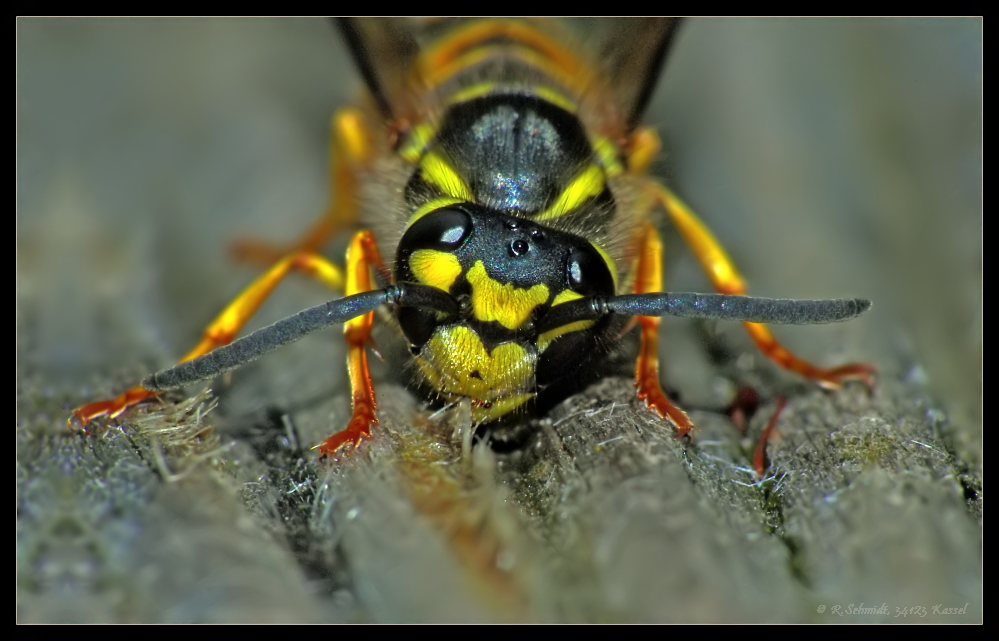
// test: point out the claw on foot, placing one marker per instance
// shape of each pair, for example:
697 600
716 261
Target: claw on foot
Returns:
760 462
111 407
743 407
650 391
359 428
833 378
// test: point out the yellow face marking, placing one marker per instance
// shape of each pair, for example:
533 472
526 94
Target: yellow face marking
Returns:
565 296
589 183
546 339
508 305
455 361
436 171
498 408
435 268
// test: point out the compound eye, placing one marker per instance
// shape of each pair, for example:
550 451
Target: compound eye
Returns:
588 273
444 230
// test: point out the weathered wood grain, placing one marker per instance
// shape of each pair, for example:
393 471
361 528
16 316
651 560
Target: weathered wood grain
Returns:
833 157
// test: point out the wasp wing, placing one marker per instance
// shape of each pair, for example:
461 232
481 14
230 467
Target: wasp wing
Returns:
626 54
632 52
383 50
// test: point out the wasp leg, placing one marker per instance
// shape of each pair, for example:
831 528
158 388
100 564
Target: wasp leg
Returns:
226 325
362 256
760 462
351 147
649 279
726 278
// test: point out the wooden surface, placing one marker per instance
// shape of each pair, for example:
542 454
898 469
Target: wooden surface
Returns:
832 157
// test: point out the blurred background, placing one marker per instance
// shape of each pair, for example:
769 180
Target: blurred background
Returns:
833 157
843 157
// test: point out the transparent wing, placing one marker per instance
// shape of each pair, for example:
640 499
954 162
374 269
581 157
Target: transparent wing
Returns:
631 52
626 54
384 50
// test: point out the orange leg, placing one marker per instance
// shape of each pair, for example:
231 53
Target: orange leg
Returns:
226 325
362 256
351 147
650 279
726 278
760 462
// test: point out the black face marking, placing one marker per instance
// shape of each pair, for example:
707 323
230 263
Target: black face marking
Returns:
519 251
512 250
564 355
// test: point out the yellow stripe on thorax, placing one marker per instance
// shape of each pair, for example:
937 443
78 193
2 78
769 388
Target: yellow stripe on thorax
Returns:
436 171
587 184
417 141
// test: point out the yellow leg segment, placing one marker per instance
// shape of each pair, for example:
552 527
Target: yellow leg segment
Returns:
351 147
726 279
649 279
226 325
362 257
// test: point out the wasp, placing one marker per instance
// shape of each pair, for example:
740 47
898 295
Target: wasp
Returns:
504 165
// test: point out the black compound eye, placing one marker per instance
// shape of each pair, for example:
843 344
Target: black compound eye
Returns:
588 273
444 230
